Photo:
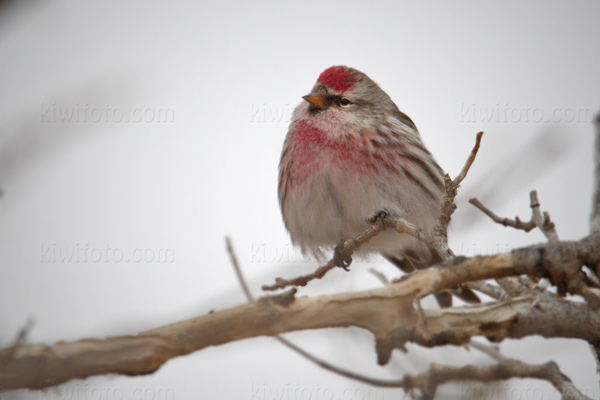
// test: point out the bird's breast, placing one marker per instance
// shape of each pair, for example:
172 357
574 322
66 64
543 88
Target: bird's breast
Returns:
316 149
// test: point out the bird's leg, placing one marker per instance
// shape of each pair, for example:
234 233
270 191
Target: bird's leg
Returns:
341 257
382 216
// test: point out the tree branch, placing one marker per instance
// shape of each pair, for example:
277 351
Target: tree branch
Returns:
537 219
37 366
448 206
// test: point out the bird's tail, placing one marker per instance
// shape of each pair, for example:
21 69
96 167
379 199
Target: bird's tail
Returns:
411 261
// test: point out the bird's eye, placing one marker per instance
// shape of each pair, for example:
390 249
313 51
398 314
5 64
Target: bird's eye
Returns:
344 101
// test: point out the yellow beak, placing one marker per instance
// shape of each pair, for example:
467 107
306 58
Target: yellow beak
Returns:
315 100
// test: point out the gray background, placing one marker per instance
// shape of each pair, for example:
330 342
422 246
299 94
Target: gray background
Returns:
230 73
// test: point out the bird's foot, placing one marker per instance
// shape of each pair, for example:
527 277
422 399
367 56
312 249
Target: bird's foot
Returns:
381 216
341 257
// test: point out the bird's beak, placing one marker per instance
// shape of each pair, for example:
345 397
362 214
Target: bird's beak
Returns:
315 100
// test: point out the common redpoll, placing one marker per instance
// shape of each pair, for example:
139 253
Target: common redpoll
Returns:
350 153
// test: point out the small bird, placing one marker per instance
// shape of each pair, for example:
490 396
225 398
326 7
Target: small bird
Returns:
350 153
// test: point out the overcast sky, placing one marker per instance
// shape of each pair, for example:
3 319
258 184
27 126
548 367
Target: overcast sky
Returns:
147 131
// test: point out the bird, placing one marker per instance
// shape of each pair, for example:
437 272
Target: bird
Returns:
349 154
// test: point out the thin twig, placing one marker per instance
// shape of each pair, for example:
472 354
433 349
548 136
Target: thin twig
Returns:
514 223
463 173
495 292
379 275
542 221
440 231
491 350
321 363
347 248
21 338
512 285
436 375
538 220
238 271
401 225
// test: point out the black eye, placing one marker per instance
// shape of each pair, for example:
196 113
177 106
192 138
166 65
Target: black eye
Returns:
344 101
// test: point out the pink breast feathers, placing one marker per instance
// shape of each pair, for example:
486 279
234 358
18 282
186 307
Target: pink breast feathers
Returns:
313 150
337 78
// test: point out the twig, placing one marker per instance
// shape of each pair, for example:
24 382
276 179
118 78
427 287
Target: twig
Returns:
379 275
516 223
463 173
428 382
440 231
237 269
542 221
491 350
495 292
21 338
347 248
321 363
401 225
537 219
518 287
380 223
512 285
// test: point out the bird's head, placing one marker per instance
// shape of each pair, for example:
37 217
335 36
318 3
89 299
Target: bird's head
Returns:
347 94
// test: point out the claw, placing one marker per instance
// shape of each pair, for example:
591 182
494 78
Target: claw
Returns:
340 258
379 216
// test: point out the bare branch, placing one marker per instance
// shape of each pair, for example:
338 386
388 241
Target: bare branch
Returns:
237 269
537 219
506 369
516 223
428 382
440 231
343 251
491 350
394 323
22 335
347 248
495 292
512 285
463 173
379 275
321 363
401 225
542 221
